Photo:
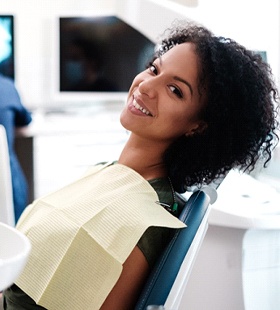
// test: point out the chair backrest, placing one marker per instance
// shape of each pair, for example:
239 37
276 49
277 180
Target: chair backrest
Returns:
166 283
6 192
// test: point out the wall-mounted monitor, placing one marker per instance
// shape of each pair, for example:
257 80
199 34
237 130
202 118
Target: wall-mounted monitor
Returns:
98 57
7 59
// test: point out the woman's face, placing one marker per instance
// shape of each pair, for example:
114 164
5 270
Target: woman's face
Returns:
163 101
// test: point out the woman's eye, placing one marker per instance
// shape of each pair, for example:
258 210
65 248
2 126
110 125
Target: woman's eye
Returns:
153 69
176 91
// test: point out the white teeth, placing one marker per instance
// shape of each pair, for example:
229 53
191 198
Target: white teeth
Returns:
138 107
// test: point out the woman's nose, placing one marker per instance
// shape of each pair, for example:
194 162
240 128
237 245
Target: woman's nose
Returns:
148 87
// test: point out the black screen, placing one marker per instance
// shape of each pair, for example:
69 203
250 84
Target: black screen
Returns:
100 54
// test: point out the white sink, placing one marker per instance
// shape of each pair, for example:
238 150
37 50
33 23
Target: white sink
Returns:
14 252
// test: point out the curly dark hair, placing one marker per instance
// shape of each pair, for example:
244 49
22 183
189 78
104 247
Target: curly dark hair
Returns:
240 111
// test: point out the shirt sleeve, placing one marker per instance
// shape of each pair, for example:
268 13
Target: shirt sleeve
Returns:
155 239
153 242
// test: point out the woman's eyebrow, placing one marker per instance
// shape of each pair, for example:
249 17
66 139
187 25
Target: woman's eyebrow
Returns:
177 78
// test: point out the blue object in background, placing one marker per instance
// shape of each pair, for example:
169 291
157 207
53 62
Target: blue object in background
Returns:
13 114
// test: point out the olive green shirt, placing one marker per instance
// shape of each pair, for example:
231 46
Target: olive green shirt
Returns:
155 238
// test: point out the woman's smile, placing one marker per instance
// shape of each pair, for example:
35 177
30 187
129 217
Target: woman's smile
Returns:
138 107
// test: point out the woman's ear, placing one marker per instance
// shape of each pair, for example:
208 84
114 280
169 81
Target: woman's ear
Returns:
198 129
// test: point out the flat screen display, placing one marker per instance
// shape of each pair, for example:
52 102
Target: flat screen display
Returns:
7 62
100 54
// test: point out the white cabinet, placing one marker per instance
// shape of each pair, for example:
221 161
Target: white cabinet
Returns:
61 158
66 145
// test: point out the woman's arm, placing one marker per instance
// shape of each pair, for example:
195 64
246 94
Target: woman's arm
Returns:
126 291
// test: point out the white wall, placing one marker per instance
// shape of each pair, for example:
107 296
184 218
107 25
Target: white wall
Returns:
254 23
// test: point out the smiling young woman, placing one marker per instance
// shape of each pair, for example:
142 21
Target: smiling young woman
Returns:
203 106
166 94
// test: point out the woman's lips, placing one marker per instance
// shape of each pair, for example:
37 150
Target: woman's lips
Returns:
138 105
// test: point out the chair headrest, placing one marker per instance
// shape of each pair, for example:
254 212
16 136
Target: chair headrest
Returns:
211 192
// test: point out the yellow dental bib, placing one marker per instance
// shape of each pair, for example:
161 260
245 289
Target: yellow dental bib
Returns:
82 234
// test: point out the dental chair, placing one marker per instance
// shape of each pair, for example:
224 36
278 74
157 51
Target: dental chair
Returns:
168 279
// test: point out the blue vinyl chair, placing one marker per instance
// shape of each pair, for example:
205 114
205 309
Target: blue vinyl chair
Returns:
168 279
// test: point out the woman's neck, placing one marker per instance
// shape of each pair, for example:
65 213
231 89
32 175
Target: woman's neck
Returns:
144 157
